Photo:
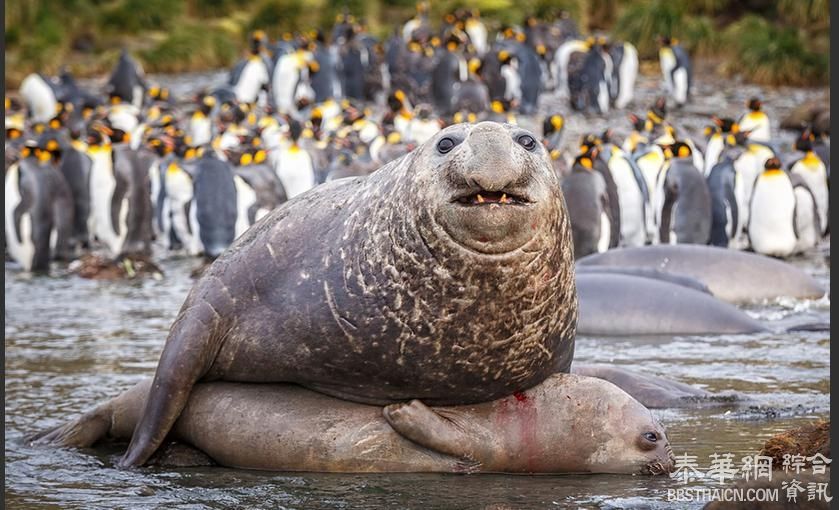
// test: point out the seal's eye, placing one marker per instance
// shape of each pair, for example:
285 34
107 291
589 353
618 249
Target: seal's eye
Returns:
650 436
527 142
445 145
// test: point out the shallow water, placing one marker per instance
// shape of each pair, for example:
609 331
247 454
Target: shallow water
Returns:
71 343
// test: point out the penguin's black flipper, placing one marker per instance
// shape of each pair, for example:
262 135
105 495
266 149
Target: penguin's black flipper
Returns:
731 202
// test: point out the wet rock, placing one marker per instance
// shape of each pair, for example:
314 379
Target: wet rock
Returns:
180 455
807 440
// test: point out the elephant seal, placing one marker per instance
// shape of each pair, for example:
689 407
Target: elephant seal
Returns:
656 392
645 272
733 276
622 304
566 424
446 275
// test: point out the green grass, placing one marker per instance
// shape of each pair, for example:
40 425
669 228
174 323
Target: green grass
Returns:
190 47
772 55
134 16
787 43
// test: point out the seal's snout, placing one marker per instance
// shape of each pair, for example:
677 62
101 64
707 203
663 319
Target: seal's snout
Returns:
663 461
492 166
495 198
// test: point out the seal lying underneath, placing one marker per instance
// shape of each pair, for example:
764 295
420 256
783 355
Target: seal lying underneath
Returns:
566 424
446 275
731 275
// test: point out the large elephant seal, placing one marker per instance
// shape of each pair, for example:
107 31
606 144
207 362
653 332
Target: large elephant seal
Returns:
446 275
568 423
731 275
614 304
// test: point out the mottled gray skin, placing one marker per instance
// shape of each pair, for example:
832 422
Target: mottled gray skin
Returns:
646 272
566 424
388 288
655 392
619 304
731 275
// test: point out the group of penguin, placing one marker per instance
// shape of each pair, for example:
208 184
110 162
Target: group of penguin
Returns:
134 165
736 192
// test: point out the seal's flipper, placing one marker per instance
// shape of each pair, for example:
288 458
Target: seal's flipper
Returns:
83 432
115 420
422 425
189 352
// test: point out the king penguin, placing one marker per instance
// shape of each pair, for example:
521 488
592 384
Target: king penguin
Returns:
633 197
771 225
294 164
807 223
813 171
108 220
686 208
250 76
716 137
755 121
588 206
676 69
721 185
38 210
40 97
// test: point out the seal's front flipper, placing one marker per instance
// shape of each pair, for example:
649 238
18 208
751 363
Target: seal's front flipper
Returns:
188 354
83 432
115 419
422 425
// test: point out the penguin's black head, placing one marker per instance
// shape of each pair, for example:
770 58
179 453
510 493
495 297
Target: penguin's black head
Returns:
679 149
161 145
772 164
665 41
49 144
638 124
119 136
295 129
754 104
804 143
590 141
394 102
659 109
13 133
352 114
98 134
585 160
726 124
316 118
257 42
552 124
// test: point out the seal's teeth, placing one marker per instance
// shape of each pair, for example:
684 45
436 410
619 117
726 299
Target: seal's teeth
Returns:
480 199
503 198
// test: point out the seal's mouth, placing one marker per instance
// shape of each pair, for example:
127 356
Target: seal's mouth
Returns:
661 466
487 198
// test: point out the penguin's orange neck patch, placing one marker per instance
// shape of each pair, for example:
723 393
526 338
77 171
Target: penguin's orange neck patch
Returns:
811 159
